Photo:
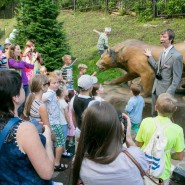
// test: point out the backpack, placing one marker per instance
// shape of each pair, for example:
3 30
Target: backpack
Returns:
79 105
155 150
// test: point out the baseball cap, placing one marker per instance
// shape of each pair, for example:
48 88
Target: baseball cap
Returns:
95 79
85 82
108 29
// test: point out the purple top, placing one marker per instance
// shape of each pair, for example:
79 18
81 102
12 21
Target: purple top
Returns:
20 65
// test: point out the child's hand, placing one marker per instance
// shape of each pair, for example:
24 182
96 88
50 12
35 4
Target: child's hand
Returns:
53 136
128 124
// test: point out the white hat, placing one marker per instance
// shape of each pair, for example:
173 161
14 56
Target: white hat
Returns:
85 82
108 29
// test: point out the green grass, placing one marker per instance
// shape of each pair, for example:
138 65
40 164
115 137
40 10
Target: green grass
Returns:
8 26
82 40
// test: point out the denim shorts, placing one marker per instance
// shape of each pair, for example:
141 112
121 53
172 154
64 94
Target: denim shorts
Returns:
65 130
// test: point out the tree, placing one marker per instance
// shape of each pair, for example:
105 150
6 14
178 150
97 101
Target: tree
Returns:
37 21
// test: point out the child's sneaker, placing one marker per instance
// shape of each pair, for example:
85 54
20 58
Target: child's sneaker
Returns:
67 154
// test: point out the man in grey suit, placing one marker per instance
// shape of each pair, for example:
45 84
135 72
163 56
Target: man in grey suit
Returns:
168 69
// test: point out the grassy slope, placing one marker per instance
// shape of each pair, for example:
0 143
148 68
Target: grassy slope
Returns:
8 26
82 40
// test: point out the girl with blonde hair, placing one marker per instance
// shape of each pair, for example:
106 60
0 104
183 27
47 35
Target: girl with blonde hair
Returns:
34 107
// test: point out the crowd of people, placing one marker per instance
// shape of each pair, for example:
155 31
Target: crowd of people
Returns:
50 111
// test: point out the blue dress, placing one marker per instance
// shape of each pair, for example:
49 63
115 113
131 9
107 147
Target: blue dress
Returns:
15 166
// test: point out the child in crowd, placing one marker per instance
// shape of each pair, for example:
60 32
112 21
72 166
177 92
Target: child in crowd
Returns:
67 72
134 107
82 70
58 73
165 106
71 131
3 61
32 56
64 115
43 70
34 106
51 101
3 57
96 92
80 103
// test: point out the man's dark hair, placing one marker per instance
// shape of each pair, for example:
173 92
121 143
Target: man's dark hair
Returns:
170 33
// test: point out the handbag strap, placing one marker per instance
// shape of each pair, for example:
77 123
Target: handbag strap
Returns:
6 129
143 173
136 163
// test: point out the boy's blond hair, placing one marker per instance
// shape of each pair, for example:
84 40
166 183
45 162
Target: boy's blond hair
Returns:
52 76
166 104
57 72
82 66
66 56
43 69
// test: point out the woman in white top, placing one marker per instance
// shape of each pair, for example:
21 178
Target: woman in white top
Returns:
99 158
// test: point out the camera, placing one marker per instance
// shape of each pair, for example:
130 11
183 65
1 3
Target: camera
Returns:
158 76
123 120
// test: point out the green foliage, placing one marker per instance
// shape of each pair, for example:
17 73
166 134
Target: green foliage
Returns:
65 3
1 33
36 20
144 11
171 7
5 2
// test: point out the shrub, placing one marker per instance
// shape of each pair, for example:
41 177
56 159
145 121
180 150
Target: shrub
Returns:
171 7
144 11
36 20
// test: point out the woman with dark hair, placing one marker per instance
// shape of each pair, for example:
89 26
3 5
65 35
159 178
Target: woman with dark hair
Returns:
99 158
15 62
25 156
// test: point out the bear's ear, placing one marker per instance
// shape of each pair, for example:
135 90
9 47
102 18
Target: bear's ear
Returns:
111 52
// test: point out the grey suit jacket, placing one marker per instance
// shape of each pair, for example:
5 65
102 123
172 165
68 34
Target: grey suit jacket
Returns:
171 72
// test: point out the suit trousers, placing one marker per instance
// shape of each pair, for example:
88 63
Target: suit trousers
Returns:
154 99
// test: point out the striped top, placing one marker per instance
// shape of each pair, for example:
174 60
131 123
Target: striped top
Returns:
34 111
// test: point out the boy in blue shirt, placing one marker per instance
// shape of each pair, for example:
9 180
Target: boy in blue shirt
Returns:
134 107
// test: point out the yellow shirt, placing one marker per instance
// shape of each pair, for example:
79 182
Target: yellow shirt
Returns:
174 134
